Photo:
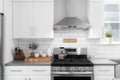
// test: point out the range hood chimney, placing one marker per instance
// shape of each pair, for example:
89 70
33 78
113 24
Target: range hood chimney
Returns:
71 23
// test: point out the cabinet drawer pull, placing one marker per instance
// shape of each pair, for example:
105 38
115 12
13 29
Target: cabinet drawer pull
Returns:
16 70
38 70
105 70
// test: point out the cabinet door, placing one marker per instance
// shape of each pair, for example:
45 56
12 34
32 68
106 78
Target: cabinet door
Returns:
43 19
16 70
22 19
40 77
103 77
102 72
15 77
1 6
96 18
39 70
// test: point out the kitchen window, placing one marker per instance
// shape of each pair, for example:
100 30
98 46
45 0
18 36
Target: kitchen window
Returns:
112 21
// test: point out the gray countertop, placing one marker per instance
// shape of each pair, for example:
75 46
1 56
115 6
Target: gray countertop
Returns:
22 63
95 62
103 62
115 60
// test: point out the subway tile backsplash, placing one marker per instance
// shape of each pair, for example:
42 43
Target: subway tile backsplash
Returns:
94 48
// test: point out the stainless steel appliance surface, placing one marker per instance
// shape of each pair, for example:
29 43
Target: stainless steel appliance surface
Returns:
1 46
72 67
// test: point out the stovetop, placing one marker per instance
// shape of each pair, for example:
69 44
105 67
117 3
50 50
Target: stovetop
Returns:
73 60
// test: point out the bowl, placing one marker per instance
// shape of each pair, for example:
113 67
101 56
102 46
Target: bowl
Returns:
36 54
44 55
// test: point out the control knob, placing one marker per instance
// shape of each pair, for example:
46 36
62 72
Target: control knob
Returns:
72 69
58 69
81 69
63 69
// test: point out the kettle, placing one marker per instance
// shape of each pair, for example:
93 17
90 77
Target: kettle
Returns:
62 53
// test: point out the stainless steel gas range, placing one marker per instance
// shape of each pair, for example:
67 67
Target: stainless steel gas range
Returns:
72 67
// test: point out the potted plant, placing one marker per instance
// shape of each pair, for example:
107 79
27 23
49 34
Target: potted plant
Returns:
33 46
108 36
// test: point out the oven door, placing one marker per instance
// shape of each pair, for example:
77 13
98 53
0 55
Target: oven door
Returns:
72 77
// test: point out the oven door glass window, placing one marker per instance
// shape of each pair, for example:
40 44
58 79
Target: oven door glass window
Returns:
72 78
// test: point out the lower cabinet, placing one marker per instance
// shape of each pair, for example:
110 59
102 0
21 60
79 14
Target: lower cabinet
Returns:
103 72
27 73
32 77
40 77
15 77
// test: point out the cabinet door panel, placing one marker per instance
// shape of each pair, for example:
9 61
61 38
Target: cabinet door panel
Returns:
1 6
15 77
43 19
22 19
40 70
23 0
16 70
103 77
40 77
96 18
108 70
43 0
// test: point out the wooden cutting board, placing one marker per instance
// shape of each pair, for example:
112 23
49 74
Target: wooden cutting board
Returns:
69 40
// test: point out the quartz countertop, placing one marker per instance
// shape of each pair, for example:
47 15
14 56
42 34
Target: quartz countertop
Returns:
22 63
95 62
103 62
116 60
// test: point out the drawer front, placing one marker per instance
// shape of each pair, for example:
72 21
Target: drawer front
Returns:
104 70
40 70
103 77
42 0
97 1
16 70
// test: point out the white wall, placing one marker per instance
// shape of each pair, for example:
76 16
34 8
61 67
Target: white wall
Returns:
8 42
94 48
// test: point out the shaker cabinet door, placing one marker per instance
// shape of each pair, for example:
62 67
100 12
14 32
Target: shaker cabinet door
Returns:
22 19
40 77
1 6
43 19
96 18
15 77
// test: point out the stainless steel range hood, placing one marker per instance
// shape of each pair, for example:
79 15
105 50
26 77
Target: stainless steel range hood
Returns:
71 23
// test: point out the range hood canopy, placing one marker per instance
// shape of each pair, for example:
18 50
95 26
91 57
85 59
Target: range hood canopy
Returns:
71 23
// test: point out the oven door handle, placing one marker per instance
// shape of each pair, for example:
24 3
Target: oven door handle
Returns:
88 73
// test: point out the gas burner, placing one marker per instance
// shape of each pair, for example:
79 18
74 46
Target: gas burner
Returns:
73 60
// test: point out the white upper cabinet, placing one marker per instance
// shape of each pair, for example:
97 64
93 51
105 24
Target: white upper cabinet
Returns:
1 6
32 19
43 19
95 18
22 20
112 1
